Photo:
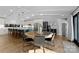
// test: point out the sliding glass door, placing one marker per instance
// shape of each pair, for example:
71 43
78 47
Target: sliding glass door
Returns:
76 28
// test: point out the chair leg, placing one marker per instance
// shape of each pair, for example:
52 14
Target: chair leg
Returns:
34 50
43 49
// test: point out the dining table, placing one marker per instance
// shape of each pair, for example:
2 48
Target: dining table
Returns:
32 34
37 37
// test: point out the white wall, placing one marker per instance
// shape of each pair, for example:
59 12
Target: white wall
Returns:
60 21
13 21
40 21
3 30
70 28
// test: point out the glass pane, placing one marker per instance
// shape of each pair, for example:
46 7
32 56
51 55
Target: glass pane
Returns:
75 23
78 28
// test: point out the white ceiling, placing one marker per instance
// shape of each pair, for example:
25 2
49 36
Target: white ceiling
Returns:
27 12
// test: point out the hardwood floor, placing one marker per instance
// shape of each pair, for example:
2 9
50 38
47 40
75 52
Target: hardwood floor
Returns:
9 44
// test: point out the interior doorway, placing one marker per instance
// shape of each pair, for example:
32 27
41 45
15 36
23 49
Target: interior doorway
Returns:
64 29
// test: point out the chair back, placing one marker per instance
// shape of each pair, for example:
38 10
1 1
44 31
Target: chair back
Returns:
39 40
49 36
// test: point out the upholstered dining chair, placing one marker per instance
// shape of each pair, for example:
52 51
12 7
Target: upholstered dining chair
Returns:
49 37
27 42
49 41
39 41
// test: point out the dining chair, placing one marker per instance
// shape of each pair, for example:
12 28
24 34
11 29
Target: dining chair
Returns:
27 41
48 37
39 41
50 42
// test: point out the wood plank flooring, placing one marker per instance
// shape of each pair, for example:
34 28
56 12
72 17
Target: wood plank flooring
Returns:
9 44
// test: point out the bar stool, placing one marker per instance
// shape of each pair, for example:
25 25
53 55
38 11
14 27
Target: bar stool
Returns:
16 31
13 32
9 32
21 33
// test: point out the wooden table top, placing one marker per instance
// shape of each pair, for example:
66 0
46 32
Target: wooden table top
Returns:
32 34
